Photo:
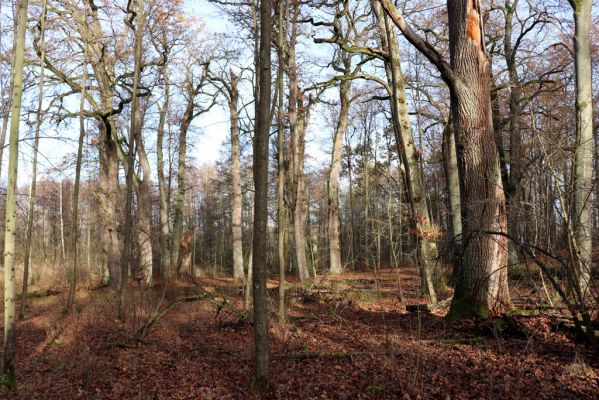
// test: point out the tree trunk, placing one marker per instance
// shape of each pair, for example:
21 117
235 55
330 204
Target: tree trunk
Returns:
424 231
297 155
482 287
281 209
185 262
144 215
299 184
261 142
236 180
583 180
162 187
144 274
107 197
32 190
336 266
11 202
512 185
75 205
7 102
452 179
180 197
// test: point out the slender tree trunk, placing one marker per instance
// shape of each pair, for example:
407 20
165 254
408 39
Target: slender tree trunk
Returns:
179 198
75 205
300 201
259 245
424 230
162 187
512 185
583 180
11 202
335 264
281 210
32 190
144 215
7 102
353 245
134 134
452 178
236 180
63 251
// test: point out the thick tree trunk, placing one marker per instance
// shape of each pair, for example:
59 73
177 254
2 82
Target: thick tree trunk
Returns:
9 377
335 264
108 186
236 180
583 179
259 245
424 231
482 287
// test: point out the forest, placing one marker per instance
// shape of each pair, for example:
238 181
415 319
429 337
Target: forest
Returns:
299 199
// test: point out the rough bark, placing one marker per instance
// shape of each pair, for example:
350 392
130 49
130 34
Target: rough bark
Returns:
185 262
482 286
261 144
192 110
108 187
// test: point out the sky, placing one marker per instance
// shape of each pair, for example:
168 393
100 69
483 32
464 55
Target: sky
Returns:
60 142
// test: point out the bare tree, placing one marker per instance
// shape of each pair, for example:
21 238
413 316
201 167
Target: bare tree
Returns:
261 142
9 376
32 188
482 286
583 175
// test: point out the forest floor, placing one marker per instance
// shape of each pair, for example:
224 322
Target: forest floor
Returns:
347 337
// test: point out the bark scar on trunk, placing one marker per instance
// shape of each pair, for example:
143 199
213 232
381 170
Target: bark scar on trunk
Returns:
474 25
